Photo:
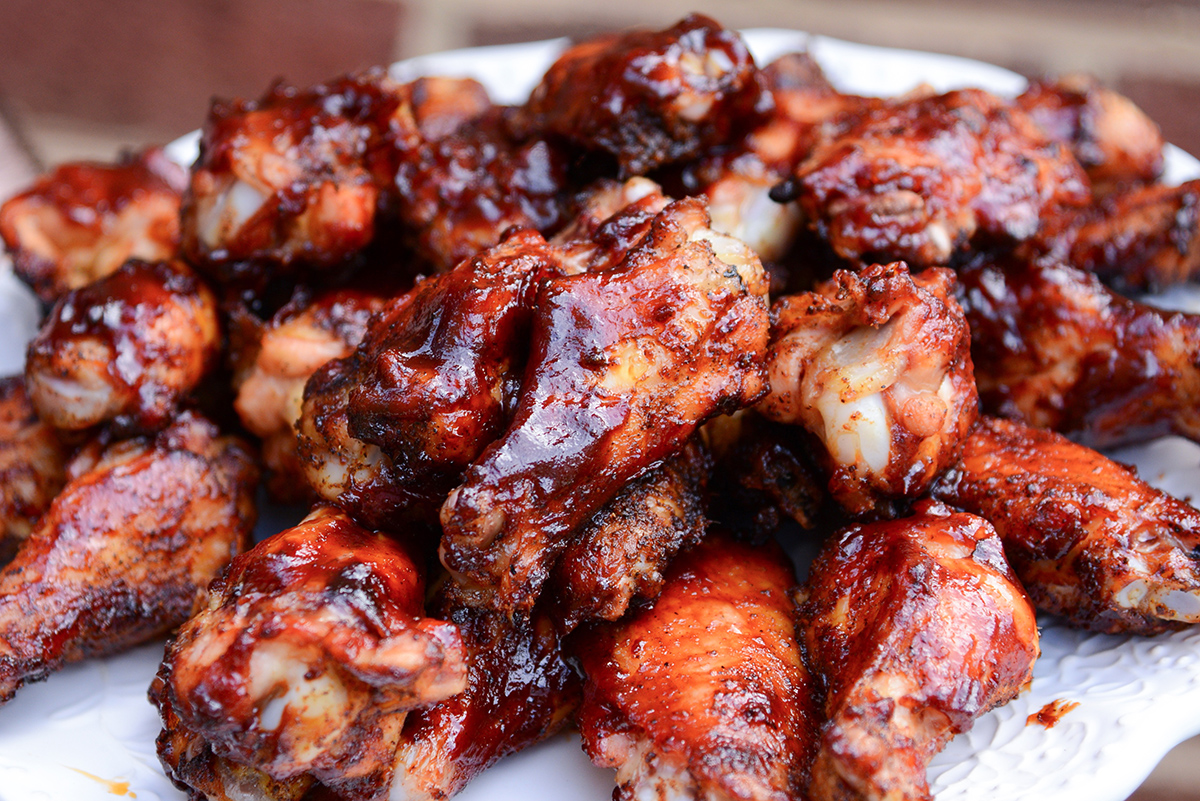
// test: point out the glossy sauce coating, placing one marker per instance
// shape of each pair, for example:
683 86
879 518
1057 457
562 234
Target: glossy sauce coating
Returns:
1055 348
1089 539
127 348
913 628
521 689
294 178
877 365
923 179
125 550
702 693
651 98
312 648
83 220
625 364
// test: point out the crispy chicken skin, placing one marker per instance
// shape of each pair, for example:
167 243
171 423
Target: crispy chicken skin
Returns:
33 466
290 347
127 348
392 426
621 554
125 550
83 220
520 690
925 178
294 178
1113 139
625 364
1088 538
913 628
1146 238
310 651
1055 348
651 98
877 365
702 694
457 195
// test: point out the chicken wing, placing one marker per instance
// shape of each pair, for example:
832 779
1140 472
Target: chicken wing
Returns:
301 337
702 694
1147 238
913 628
612 219
294 178
877 365
1113 139
1055 348
625 364
924 179
83 220
521 689
312 648
650 98
393 425
1089 540
33 466
126 348
125 550
457 195
620 555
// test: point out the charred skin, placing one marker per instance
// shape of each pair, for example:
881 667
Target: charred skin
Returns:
127 349
126 549
703 693
81 221
1089 540
311 650
913 628
651 98
620 555
625 364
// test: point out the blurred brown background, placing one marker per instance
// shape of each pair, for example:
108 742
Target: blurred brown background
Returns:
83 78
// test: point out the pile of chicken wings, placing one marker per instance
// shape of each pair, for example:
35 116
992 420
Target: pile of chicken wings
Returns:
551 378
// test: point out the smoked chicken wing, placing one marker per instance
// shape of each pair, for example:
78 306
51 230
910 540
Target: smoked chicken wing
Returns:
125 550
33 466
923 179
650 98
1089 540
625 364
621 554
1055 348
1112 138
434 381
913 628
126 348
877 365
294 178
457 195
301 337
1147 238
83 220
703 694
520 690
312 648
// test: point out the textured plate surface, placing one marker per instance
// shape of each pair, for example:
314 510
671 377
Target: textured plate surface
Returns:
87 733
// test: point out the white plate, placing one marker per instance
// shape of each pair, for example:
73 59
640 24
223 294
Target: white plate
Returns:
1137 697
